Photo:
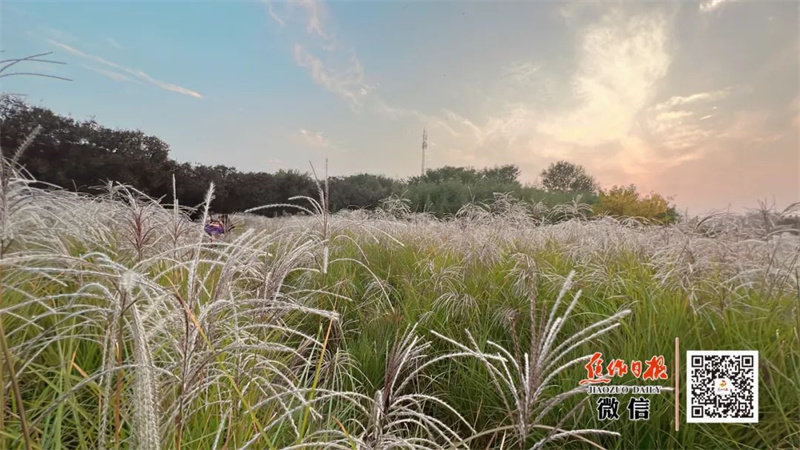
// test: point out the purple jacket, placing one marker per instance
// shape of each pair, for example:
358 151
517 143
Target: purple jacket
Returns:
214 229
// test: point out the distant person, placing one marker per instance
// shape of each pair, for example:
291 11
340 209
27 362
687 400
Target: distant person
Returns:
214 228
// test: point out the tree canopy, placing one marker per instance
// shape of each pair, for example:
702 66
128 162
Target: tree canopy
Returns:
84 156
568 177
625 201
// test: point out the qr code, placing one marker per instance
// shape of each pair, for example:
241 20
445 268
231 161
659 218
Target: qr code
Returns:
722 386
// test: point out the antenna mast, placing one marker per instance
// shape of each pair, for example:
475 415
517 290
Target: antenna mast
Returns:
424 146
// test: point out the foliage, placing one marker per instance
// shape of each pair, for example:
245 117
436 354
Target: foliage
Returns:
506 174
83 156
625 201
361 191
445 198
565 176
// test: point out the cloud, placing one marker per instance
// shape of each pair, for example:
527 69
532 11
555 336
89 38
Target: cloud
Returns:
712 5
166 86
314 11
77 52
691 99
313 139
339 71
673 125
747 159
393 112
750 127
116 76
616 112
607 116
348 84
521 71
504 128
274 14
613 117
313 18
112 42
602 122
621 62
119 77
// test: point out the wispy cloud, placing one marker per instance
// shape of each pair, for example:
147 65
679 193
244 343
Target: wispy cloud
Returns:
316 140
112 42
119 77
611 120
521 71
338 70
348 83
431 120
274 14
166 86
692 99
116 76
674 125
621 112
314 11
621 61
750 127
711 5
312 18
341 72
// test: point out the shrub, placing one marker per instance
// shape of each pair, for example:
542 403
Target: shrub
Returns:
625 201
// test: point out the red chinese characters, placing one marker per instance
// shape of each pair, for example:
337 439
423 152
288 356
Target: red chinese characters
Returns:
594 370
655 370
617 367
636 368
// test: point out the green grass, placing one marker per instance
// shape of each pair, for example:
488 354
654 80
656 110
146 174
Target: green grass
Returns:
659 316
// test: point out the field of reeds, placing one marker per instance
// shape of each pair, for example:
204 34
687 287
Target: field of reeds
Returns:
124 327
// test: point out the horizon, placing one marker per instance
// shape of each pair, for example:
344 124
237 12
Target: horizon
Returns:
695 101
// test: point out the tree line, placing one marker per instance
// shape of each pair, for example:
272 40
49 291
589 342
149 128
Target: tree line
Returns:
84 155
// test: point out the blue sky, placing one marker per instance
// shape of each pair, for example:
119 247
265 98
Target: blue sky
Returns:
698 100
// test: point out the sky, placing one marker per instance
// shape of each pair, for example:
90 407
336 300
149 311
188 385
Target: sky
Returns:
696 100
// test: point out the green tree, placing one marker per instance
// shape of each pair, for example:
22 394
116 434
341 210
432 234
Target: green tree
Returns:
568 177
468 175
82 155
359 191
